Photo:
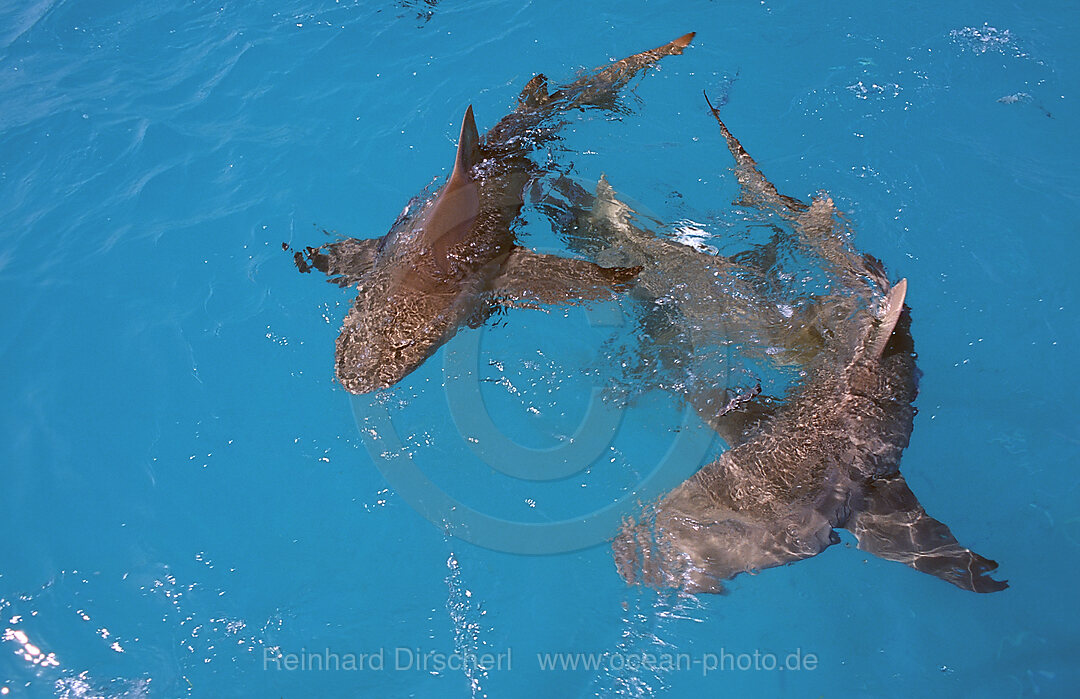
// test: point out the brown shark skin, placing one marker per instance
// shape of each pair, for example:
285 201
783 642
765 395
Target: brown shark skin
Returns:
447 262
827 457
686 292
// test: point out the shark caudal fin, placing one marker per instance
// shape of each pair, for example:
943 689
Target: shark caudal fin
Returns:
620 72
600 88
891 524
532 123
818 225
682 42
757 191
891 308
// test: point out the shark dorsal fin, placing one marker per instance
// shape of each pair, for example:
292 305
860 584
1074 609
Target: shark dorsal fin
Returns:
450 219
605 200
604 190
892 307
468 149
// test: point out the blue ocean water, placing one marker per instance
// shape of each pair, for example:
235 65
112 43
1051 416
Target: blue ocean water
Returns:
189 500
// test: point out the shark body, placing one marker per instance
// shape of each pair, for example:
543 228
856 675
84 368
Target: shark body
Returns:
799 467
450 260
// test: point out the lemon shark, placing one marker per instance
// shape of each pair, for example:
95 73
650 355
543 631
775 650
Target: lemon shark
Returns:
452 259
826 456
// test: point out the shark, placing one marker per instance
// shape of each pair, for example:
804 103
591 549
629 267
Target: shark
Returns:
451 259
706 321
800 466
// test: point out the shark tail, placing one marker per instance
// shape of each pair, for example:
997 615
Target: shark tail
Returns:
891 524
756 189
621 71
600 88
682 42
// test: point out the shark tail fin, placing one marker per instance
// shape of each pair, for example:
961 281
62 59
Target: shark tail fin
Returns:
671 48
601 87
468 150
891 524
676 47
756 190
684 40
535 93
892 307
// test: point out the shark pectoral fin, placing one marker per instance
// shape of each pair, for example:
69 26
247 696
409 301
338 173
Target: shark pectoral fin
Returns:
530 278
562 198
801 338
692 540
757 191
741 420
891 308
714 404
891 524
345 262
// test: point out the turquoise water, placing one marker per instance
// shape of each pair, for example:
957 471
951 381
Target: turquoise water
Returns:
189 500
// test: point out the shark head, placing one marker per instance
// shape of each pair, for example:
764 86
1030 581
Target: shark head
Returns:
387 334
